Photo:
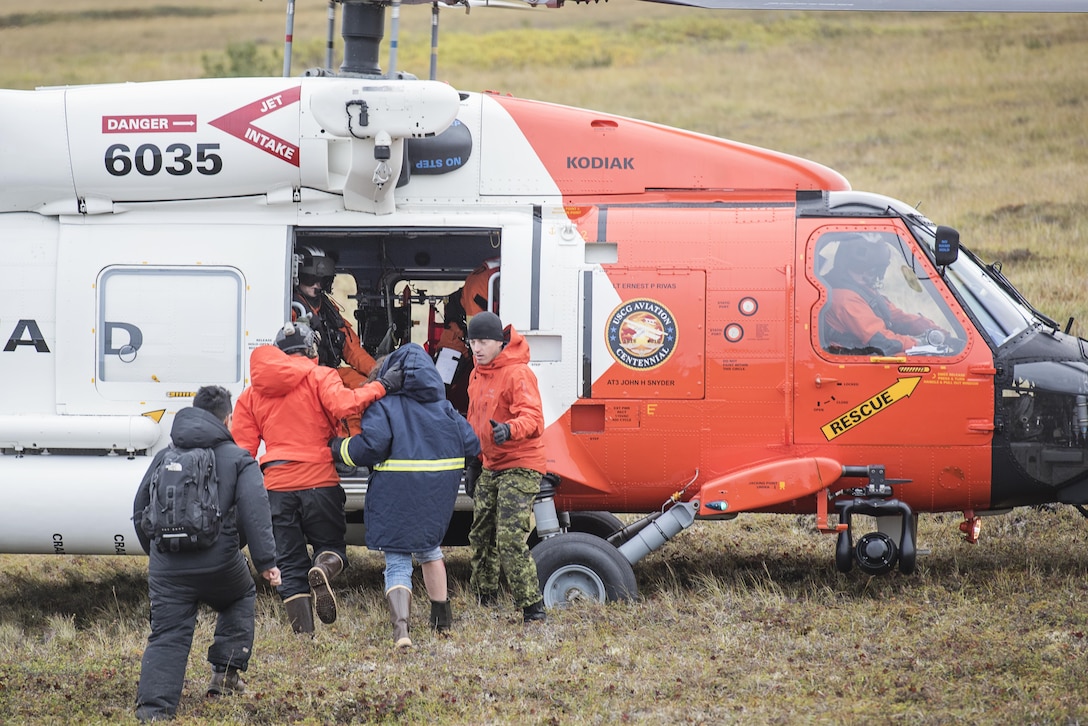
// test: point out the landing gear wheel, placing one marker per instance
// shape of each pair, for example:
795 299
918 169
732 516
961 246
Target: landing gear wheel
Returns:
576 566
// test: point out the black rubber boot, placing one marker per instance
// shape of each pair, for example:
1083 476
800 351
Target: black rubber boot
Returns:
441 616
300 613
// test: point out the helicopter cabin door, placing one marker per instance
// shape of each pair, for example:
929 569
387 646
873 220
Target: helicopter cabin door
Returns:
884 353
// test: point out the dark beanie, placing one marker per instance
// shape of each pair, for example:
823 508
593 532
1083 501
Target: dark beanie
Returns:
485 326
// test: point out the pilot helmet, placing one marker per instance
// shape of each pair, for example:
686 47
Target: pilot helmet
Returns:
315 266
861 256
298 338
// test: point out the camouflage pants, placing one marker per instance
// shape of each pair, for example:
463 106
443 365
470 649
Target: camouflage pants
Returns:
500 525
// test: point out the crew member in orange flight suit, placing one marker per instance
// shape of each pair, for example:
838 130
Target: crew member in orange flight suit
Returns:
858 316
338 339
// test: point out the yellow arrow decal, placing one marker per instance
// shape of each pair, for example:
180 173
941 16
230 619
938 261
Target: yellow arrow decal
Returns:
155 416
902 388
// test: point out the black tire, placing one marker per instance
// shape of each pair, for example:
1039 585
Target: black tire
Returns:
579 566
598 524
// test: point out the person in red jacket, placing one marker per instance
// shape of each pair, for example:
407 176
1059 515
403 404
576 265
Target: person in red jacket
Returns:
294 406
507 415
858 318
337 341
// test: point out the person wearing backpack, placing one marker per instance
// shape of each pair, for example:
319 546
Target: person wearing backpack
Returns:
211 569
295 407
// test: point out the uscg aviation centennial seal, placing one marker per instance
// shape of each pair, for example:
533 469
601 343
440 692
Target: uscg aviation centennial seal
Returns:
641 334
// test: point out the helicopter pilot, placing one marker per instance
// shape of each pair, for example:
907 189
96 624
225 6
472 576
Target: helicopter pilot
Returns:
858 318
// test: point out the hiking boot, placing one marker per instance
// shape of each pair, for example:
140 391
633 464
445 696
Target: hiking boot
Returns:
225 682
487 599
327 565
535 613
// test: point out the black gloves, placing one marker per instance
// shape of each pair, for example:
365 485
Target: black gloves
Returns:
336 443
473 467
500 431
392 379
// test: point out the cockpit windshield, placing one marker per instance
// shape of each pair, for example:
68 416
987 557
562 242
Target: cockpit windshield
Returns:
999 314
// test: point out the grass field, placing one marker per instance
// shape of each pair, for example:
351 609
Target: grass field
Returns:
978 119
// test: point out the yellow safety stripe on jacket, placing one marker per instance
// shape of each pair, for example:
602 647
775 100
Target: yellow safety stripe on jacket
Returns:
421 464
344 453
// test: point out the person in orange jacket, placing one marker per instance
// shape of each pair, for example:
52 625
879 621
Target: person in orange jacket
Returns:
338 341
294 406
507 415
858 317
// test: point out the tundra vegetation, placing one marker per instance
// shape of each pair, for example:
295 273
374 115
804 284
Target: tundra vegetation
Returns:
977 119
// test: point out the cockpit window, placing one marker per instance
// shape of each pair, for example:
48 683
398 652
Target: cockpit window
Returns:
880 299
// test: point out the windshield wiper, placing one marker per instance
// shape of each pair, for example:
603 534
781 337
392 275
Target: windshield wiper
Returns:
994 270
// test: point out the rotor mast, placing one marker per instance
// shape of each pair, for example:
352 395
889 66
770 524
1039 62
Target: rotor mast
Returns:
363 28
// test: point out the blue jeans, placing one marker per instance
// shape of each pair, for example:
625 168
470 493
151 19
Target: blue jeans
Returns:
398 566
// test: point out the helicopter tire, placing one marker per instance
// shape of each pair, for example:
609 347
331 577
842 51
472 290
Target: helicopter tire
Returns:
598 524
580 567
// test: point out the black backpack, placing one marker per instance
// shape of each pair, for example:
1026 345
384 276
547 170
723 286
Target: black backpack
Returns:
183 514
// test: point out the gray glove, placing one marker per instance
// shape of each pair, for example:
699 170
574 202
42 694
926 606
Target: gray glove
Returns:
500 432
392 379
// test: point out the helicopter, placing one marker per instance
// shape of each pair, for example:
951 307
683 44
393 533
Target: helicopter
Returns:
678 293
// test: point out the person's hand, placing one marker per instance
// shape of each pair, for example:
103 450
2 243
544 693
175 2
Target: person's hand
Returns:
272 576
335 444
500 432
392 379
473 467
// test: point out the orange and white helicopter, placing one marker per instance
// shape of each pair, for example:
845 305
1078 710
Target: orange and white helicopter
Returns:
686 300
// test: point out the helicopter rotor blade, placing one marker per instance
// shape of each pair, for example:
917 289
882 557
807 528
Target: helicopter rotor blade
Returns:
965 6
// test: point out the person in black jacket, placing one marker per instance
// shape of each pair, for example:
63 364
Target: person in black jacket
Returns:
416 444
218 576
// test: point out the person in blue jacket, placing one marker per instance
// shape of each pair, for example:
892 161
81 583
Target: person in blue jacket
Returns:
416 444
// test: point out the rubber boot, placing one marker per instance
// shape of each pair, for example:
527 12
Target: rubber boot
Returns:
300 613
399 598
441 616
327 565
